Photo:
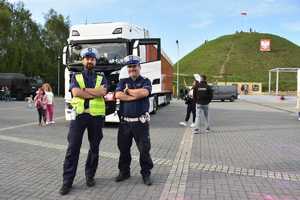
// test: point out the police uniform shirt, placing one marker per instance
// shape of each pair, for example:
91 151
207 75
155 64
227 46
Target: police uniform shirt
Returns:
89 77
138 107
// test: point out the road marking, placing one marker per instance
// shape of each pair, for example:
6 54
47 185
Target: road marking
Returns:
175 185
54 146
180 164
273 107
25 125
9 108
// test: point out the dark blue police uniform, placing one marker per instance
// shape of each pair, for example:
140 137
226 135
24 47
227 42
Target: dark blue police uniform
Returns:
139 131
94 126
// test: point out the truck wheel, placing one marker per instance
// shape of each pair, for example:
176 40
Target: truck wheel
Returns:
231 99
20 96
222 100
169 97
166 100
155 105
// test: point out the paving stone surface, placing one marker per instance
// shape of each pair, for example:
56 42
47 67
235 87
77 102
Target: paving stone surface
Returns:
252 152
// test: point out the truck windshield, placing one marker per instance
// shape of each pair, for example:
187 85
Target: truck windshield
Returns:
110 53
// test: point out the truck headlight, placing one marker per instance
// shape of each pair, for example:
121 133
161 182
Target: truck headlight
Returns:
117 31
75 33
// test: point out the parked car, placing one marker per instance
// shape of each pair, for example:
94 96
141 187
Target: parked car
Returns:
223 93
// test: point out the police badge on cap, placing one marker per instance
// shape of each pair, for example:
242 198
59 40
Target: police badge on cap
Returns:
89 52
132 60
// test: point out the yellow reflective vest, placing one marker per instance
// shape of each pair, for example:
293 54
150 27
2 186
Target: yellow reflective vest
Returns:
96 105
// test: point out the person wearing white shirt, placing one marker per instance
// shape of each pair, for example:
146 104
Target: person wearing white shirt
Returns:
50 103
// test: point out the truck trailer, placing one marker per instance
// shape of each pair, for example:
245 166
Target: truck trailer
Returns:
19 85
114 41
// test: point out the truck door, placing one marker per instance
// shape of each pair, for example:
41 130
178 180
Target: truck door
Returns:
149 50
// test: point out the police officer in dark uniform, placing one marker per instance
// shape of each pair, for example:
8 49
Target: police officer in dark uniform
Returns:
88 89
133 93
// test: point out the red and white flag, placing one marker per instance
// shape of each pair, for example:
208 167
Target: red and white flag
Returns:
244 13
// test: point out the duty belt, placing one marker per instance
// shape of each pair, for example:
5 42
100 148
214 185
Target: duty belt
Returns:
143 118
86 111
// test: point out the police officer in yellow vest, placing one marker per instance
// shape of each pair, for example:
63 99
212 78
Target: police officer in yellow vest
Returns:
88 89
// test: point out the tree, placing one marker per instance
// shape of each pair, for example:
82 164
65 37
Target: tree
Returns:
20 40
5 21
55 34
27 47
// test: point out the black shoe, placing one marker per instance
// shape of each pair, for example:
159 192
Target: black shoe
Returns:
90 182
122 177
65 189
147 180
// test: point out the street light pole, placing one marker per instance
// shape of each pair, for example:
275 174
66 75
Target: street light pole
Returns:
58 75
177 88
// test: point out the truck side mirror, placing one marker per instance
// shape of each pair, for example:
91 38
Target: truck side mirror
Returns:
135 48
64 56
136 44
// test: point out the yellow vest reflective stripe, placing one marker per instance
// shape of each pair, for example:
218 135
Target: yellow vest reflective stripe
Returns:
96 105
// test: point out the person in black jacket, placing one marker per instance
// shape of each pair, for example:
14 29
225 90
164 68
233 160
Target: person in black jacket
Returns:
203 95
191 108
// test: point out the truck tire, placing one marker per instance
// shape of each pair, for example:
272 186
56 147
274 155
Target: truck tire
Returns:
166 100
169 98
155 105
232 99
20 96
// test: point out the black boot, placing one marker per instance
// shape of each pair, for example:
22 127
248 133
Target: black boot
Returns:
122 177
90 182
147 180
65 189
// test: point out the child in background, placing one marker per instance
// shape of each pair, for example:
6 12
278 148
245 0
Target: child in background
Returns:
30 102
40 102
50 103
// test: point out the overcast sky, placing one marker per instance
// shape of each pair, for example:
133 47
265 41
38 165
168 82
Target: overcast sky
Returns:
190 21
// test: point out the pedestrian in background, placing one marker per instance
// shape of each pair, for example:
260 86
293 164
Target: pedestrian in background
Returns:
40 102
2 93
7 94
50 103
191 107
203 95
29 101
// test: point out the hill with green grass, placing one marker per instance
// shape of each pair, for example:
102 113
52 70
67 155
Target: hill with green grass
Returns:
237 58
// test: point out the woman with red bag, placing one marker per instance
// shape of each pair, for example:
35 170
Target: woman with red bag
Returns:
40 102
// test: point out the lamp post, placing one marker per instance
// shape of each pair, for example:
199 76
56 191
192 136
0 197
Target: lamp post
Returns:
177 88
58 75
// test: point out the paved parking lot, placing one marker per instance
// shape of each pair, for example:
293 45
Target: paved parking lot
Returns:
252 152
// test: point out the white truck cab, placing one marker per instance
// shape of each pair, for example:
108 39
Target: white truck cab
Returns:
114 41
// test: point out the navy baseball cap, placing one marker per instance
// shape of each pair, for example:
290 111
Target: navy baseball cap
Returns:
132 60
89 52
